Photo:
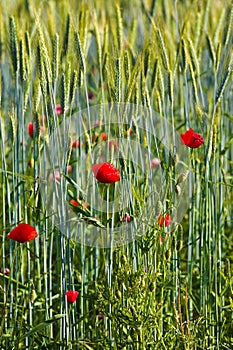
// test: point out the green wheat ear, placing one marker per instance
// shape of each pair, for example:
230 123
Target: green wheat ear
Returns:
73 86
79 51
119 30
127 65
65 44
36 98
118 81
42 75
13 44
13 127
211 49
224 82
227 33
27 44
55 61
43 54
163 49
133 79
22 61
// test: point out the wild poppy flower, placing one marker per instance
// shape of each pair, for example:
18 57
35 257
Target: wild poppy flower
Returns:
192 139
126 218
90 95
5 271
129 132
155 163
104 136
56 176
71 296
106 173
23 233
76 144
74 203
58 109
69 169
100 317
30 129
164 221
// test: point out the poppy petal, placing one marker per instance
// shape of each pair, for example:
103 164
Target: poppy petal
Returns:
71 296
23 233
191 139
106 173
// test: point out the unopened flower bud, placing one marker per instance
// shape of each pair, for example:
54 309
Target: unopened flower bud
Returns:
178 190
183 177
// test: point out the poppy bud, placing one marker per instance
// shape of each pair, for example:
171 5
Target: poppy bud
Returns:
183 177
178 190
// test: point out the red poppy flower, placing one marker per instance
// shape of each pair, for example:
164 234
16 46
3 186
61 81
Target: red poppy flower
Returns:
74 203
58 109
5 271
164 221
76 144
104 136
129 132
155 163
30 129
23 233
90 95
71 296
126 218
69 169
106 173
192 139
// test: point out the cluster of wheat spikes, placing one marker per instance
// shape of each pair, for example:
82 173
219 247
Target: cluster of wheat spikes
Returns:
176 58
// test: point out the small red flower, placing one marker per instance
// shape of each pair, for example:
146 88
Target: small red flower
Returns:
155 163
192 139
103 136
90 95
58 109
23 233
106 173
5 271
71 296
76 144
74 203
69 169
164 221
100 317
126 218
56 176
129 132
30 129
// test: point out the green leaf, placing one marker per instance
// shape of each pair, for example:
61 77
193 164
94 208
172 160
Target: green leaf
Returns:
73 183
43 325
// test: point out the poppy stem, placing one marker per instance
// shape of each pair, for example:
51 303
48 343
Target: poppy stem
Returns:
8 285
